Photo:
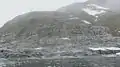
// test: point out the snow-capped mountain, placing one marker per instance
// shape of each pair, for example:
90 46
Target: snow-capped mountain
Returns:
112 4
79 9
96 12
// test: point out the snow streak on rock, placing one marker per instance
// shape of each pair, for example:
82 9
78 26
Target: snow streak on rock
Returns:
65 38
72 18
105 48
86 22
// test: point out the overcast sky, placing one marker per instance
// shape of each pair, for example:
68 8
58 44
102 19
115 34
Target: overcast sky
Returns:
12 8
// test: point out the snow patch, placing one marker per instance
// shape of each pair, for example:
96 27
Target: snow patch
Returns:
70 15
99 7
105 48
118 54
93 12
86 22
118 31
113 48
40 48
97 16
95 49
74 18
65 38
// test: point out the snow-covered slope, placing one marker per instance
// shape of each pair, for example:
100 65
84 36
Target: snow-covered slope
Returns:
86 11
93 9
112 4
97 12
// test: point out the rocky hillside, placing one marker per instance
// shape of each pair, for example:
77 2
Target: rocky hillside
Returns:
79 29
